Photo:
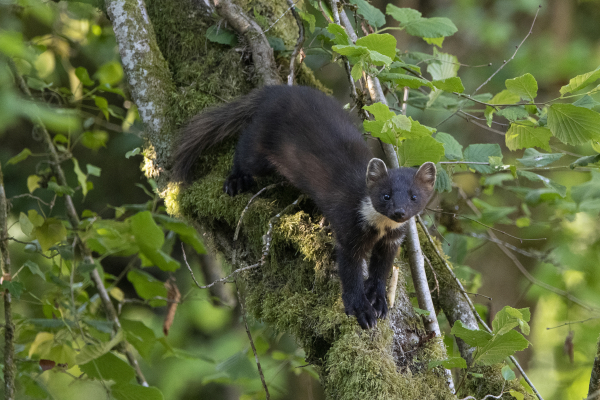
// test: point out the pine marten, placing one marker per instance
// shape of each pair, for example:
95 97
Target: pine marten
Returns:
308 138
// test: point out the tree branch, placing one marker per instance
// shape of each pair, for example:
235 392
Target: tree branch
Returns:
299 43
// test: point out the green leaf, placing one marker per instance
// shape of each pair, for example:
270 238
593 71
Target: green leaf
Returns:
410 81
94 139
420 311
81 177
509 318
15 288
443 67
59 189
82 74
550 184
109 367
90 352
435 41
309 19
187 234
452 149
416 151
133 152
357 70
492 214
482 153
371 14
350 50
535 159
514 113
520 136
128 391
339 34
497 179
50 233
452 362
147 287
276 43
35 269
221 35
443 183
102 104
572 124
19 157
37 84
380 111
93 170
471 337
139 336
581 81
33 182
26 225
516 395
505 97
110 73
589 190
382 43
402 15
62 354
586 101
525 86
501 347
453 84
583 161
150 238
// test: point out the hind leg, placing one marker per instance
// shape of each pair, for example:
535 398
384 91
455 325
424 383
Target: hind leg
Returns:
247 163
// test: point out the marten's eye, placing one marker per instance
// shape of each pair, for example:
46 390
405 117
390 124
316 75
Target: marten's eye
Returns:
386 197
413 197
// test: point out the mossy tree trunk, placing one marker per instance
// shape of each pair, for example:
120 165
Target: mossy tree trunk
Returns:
174 72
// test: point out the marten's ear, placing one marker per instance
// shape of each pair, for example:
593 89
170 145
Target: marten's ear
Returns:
375 171
425 176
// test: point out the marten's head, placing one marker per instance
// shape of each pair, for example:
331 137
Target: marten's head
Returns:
401 193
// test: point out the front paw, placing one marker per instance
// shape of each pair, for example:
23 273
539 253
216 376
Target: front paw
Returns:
235 184
376 294
363 310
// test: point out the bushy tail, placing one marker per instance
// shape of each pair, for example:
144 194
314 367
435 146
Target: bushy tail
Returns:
210 128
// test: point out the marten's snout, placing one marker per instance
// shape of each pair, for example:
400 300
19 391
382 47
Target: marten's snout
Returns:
399 214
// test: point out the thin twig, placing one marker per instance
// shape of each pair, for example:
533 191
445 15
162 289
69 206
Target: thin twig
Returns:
239 224
260 372
282 15
218 280
299 43
32 196
437 284
572 322
522 268
514 54
464 162
267 237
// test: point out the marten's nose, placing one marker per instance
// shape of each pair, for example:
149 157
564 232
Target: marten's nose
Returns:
399 214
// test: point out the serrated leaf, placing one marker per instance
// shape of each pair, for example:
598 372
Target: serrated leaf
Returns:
431 27
501 347
471 337
452 362
572 124
520 136
19 157
402 15
443 183
350 50
535 159
371 14
550 184
583 161
516 395
505 97
482 153
452 149
380 111
357 70
416 151
15 288
82 74
382 43
109 367
514 113
187 234
525 86
439 41
453 84
586 101
60 189
61 354
147 287
339 34
26 225
128 391
92 351
580 81
150 238
509 318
